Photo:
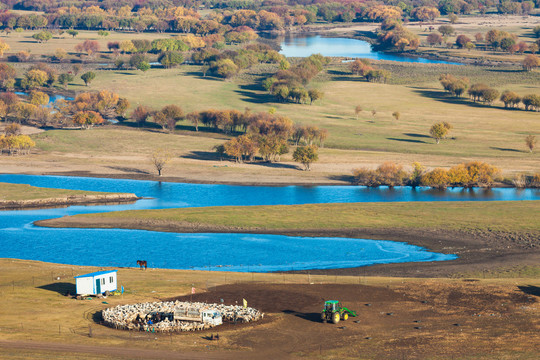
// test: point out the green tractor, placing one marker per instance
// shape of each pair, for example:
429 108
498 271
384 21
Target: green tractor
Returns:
333 311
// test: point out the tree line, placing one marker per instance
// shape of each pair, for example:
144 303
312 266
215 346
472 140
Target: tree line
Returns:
474 173
486 94
494 39
289 82
13 142
182 15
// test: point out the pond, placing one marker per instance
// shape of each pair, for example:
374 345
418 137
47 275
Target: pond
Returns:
52 97
19 238
303 46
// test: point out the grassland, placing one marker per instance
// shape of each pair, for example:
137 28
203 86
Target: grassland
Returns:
27 192
487 133
507 216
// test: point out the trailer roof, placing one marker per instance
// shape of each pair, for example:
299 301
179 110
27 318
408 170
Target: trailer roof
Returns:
97 273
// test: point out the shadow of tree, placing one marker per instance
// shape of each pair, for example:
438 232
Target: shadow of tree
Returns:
253 93
129 170
199 75
337 75
203 155
60 287
417 135
447 98
407 140
505 149
344 178
277 165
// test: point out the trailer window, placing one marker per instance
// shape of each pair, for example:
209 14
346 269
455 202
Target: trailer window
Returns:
103 281
111 279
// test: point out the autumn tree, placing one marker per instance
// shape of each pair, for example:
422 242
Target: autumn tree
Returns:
7 76
34 78
530 141
89 46
396 115
436 178
434 39
462 40
314 95
38 98
531 102
172 114
425 13
439 130
357 111
3 47
159 159
510 99
87 119
306 155
530 62
455 86
141 114
12 129
194 118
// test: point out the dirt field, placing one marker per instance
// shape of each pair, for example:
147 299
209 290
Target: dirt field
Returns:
426 319
412 321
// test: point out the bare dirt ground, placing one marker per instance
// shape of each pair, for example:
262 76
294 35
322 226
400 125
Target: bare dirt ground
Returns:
412 320
426 319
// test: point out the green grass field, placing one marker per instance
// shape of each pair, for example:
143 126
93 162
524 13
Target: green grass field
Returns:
488 133
27 192
496 215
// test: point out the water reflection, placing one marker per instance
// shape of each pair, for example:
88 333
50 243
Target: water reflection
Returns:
19 238
303 46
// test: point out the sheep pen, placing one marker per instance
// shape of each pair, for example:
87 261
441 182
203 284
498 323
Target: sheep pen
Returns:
162 316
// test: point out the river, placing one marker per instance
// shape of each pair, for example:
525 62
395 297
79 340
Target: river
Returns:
19 238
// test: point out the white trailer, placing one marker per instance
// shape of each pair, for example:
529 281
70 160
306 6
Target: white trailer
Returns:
205 316
96 283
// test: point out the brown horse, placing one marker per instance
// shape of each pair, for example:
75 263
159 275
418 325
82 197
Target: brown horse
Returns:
142 264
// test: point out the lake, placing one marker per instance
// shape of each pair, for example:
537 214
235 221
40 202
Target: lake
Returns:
19 238
304 46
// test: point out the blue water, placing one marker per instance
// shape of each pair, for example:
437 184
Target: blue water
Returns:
303 46
52 98
19 238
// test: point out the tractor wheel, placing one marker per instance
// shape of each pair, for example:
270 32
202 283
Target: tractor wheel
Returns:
335 317
323 317
345 316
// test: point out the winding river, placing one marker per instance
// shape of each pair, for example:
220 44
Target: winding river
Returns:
19 238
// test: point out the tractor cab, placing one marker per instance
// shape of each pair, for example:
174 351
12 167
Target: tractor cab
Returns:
331 305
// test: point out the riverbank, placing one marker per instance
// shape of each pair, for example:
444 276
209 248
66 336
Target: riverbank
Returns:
22 196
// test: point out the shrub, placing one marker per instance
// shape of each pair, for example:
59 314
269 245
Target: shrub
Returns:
437 178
